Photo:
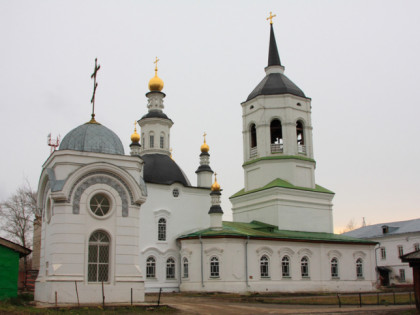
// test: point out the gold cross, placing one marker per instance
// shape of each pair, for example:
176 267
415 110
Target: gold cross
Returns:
271 17
204 135
155 62
135 126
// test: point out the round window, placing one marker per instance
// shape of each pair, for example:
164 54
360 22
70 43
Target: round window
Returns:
99 205
175 192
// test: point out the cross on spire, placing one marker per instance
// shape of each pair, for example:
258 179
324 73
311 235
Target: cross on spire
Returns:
156 62
95 85
271 17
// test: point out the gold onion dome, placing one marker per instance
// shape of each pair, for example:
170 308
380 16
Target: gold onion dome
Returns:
135 137
215 186
156 83
205 147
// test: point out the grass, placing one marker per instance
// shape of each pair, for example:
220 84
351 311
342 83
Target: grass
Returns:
22 305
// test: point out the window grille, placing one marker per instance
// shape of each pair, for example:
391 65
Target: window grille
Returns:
152 141
170 268
334 268
214 267
100 205
400 250
383 253
98 257
162 139
264 267
151 267
185 267
162 229
304 267
402 275
285 266
359 268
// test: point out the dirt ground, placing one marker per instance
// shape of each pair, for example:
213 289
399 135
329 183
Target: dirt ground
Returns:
208 305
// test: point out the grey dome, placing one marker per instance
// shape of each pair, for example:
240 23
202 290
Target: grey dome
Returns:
161 169
92 137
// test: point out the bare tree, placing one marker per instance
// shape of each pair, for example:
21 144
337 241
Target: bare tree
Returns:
17 217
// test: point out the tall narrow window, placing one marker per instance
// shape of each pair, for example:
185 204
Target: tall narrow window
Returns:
402 275
162 141
359 268
170 268
253 136
98 257
334 268
304 267
416 247
276 136
151 267
162 229
383 253
400 250
214 267
185 267
264 265
152 141
300 137
285 266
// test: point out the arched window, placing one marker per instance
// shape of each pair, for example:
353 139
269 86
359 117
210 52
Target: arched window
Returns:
264 265
359 268
285 266
304 267
253 136
98 257
334 268
214 267
161 141
170 268
162 229
185 267
151 267
151 140
276 136
300 137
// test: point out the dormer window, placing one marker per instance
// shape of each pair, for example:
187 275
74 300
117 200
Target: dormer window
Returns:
385 229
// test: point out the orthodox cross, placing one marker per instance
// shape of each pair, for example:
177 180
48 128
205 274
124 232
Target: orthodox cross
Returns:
155 62
204 135
95 85
271 17
135 126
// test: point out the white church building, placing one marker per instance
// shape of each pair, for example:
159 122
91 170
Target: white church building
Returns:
115 225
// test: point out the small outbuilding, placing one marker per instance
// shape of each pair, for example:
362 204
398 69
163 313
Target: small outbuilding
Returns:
10 253
413 259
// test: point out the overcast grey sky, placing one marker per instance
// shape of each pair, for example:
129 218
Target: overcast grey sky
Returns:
357 60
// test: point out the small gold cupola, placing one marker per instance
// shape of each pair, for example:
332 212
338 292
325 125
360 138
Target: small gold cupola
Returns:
205 147
156 83
135 137
215 186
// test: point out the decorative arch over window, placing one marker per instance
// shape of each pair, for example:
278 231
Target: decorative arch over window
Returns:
170 268
300 137
264 266
359 268
304 267
151 267
214 267
162 229
334 268
98 257
276 136
285 266
185 267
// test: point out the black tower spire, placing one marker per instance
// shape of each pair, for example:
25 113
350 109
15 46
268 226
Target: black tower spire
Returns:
273 54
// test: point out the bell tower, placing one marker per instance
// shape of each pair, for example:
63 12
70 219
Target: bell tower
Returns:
278 153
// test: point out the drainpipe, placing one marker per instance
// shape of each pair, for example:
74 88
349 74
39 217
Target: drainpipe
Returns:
179 245
376 263
202 270
246 261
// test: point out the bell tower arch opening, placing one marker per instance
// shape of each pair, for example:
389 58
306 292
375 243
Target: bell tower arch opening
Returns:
276 136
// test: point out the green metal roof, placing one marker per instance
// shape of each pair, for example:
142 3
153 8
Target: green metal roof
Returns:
260 230
284 184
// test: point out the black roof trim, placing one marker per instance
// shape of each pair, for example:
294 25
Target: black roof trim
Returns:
155 114
215 209
273 53
161 169
204 168
275 84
